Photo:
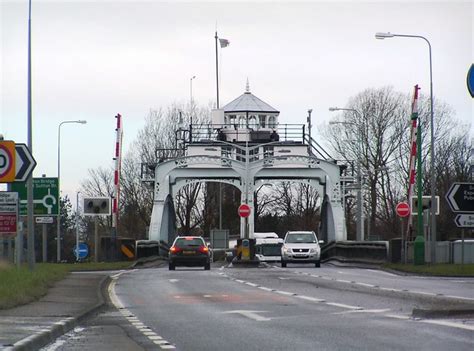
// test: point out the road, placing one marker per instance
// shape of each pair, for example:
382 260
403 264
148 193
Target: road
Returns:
297 308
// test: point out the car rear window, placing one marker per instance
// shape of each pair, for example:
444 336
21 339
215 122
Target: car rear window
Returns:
301 238
183 242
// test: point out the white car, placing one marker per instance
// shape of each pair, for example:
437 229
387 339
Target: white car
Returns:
301 247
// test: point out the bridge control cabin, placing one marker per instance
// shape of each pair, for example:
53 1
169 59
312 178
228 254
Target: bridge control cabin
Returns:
251 123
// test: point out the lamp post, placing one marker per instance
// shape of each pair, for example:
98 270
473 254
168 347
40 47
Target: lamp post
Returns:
360 222
382 35
58 236
77 225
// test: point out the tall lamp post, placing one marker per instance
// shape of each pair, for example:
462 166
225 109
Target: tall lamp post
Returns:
77 225
58 236
360 222
191 90
382 35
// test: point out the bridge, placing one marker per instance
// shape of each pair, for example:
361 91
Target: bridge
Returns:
245 147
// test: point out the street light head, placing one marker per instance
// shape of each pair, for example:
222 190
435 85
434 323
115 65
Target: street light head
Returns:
332 109
383 35
82 121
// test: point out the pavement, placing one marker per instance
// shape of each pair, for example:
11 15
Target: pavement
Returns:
68 303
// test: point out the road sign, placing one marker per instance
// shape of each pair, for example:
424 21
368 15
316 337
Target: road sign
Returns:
45 196
82 252
460 197
470 80
24 163
425 204
464 221
244 210
402 209
8 213
44 220
7 161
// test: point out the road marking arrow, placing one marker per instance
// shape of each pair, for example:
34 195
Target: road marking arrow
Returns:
24 163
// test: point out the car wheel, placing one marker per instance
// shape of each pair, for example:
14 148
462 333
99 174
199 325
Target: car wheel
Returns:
171 267
207 266
317 264
283 264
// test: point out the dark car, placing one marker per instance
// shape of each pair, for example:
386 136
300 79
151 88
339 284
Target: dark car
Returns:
189 251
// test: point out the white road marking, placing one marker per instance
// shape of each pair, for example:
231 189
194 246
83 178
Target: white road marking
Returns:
285 293
239 281
207 296
283 278
448 323
250 314
344 281
264 288
382 272
251 284
309 298
365 284
173 280
134 320
364 311
422 293
460 297
343 306
398 316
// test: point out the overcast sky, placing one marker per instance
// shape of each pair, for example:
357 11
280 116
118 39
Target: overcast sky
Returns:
94 59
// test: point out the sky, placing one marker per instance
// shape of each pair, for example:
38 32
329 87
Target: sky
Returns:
94 59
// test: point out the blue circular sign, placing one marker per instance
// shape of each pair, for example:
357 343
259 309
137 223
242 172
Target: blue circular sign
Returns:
83 251
470 80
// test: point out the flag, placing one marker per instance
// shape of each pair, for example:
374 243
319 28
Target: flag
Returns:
224 42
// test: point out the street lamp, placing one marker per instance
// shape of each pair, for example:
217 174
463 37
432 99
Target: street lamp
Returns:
77 225
58 236
360 222
383 35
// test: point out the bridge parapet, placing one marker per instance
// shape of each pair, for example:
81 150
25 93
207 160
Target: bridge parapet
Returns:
360 251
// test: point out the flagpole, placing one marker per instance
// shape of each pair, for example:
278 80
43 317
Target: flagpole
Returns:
217 73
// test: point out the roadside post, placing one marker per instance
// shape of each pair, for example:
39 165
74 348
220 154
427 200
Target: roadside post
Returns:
97 206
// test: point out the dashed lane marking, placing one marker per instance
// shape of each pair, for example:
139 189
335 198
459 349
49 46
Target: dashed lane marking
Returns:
447 323
344 306
133 320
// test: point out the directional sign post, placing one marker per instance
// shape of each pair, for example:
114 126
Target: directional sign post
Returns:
460 197
464 220
24 163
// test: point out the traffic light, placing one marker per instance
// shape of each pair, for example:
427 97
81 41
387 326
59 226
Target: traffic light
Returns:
94 206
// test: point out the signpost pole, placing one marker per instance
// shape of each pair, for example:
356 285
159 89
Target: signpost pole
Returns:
96 239
462 246
45 243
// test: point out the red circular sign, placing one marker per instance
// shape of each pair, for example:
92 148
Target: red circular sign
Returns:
244 210
402 209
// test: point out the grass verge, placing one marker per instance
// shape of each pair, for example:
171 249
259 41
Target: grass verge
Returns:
19 286
454 270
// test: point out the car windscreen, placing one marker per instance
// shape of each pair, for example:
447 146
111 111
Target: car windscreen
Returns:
301 238
187 242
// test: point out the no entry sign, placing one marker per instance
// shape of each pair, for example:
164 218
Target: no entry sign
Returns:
244 210
402 209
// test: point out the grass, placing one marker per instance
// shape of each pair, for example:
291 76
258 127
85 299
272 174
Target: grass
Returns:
19 286
454 270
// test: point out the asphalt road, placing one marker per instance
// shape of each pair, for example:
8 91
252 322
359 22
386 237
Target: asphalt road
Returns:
297 308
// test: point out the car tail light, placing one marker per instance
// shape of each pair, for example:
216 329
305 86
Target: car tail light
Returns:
174 249
203 249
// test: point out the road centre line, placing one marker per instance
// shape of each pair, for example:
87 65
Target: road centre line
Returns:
309 298
344 306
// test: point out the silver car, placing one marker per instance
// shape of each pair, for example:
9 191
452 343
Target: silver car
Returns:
301 247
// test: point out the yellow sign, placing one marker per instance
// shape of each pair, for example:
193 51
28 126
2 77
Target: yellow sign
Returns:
7 161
